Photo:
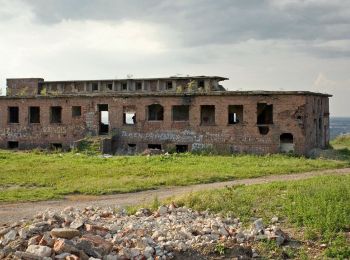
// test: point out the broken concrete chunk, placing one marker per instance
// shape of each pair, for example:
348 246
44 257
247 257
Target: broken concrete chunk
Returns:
42 251
9 236
67 233
64 246
77 224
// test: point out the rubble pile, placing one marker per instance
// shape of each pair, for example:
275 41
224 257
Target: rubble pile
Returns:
95 233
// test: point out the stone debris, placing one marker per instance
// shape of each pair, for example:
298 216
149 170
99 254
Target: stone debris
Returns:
42 251
95 233
68 233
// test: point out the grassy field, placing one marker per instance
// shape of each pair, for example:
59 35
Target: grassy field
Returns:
317 208
341 142
29 176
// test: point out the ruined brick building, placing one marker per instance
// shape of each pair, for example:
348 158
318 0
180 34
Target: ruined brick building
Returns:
175 114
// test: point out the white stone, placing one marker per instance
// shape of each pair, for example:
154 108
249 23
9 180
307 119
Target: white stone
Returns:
77 223
258 225
9 236
274 220
39 250
23 233
148 252
134 252
223 231
62 256
162 210
110 257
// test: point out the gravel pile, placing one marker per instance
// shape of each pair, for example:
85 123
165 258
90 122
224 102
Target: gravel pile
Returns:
95 233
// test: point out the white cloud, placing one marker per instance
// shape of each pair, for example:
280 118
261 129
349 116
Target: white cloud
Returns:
272 45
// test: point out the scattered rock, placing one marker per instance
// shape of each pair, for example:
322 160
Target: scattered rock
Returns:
46 240
162 210
77 223
42 251
9 236
108 234
34 240
258 226
62 256
274 220
323 246
67 233
64 246
27 256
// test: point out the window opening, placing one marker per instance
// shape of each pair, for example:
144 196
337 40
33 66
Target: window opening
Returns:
207 115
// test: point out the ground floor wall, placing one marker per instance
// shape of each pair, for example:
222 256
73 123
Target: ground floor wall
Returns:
222 124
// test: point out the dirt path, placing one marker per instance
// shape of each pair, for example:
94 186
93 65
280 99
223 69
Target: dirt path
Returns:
17 211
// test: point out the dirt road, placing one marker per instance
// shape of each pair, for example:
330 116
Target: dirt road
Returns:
17 211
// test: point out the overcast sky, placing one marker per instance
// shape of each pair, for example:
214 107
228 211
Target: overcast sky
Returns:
258 44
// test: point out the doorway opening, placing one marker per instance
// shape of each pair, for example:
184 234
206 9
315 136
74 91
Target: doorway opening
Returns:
103 119
286 143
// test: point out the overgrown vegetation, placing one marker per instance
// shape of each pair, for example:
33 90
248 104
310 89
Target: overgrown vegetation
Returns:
29 176
341 142
339 149
89 146
319 207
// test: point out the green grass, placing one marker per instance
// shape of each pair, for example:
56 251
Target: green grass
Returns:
341 142
320 207
29 176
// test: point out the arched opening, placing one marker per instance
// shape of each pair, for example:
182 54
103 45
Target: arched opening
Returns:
155 112
286 143
264 130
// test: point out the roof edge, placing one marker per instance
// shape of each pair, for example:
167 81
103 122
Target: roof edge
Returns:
173 94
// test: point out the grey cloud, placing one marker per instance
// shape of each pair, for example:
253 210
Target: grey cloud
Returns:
205 21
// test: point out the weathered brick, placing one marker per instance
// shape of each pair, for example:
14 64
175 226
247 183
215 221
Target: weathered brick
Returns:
304 115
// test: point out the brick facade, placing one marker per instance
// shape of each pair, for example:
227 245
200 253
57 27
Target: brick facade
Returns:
297 121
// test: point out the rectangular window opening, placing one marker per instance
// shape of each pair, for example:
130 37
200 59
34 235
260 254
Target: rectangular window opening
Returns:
103 119
76 111
235 114
138 86
181 113
169 85
201 83
181 148
109 86
53 87
155 112
264 114
94 86
129 117
56 146
56 115
12 145
34 115
131 148
79 87
208 115
124 86
13 113
155 146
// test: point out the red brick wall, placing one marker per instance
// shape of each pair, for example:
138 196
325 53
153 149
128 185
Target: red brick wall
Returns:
291 114
23 87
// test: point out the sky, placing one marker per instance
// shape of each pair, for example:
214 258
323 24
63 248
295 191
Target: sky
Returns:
257 44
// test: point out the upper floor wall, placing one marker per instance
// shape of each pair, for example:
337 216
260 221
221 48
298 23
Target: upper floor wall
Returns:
37 86
23 87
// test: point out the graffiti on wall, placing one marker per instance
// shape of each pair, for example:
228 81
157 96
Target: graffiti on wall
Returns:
192 137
